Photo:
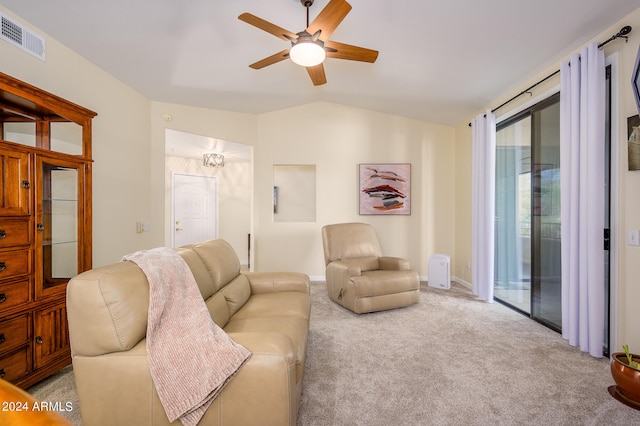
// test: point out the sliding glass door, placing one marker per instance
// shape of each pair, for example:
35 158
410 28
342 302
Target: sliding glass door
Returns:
512 284
527 224
527 219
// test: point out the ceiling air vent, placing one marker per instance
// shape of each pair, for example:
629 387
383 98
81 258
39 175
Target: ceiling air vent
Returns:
21 37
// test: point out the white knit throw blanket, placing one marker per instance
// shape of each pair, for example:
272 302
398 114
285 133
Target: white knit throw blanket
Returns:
190 357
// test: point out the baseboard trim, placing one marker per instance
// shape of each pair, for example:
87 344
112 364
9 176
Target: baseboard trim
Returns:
463 282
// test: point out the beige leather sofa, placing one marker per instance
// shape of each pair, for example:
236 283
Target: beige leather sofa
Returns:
359 277
267 313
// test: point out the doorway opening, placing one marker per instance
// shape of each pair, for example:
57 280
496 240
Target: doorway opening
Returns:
233 186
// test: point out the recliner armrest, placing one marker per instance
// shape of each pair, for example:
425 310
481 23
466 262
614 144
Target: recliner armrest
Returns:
341 271
394 263
346 268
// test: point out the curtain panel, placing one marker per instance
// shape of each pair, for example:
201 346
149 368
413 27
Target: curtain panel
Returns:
582 136
483 158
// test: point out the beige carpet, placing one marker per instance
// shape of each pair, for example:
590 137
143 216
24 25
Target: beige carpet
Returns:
449 360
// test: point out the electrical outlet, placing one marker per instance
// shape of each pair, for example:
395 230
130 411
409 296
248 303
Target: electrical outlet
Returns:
633 237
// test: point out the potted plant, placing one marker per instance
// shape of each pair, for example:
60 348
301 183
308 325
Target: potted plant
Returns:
625 369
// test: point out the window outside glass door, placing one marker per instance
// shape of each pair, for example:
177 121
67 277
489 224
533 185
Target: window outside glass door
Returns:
527 223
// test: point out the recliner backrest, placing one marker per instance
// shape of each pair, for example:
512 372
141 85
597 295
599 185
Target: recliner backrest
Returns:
343 241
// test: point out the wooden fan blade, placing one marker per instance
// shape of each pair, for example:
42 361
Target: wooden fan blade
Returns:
329 19
317 75
267 26
270 60
347 51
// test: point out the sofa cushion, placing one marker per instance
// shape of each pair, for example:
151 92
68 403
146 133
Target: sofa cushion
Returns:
289 303
237 292
379 283
285 313
219 309
220 261
199 270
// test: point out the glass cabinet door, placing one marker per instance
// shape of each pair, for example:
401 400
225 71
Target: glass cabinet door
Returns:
59 223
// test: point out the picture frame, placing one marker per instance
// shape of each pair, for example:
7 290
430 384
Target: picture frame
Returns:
635 81
633 142
384 188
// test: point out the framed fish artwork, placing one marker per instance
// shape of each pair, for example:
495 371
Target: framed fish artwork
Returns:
385 189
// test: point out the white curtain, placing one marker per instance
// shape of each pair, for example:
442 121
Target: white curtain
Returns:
582 136
483 171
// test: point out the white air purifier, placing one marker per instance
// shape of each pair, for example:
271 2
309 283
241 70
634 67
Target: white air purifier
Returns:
439 271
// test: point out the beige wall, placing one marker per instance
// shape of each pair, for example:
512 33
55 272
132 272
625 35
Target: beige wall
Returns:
462 267
234 188
625 304
629 200
229 126
121 140
336 139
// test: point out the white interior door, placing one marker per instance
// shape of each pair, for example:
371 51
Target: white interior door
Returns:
195 209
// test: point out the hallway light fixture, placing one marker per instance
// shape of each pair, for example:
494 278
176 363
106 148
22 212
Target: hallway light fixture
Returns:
213 160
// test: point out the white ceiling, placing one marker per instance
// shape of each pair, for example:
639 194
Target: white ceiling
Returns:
188 145
440 61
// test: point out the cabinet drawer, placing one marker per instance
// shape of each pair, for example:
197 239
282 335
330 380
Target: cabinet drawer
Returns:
14 332
13 294
14 233
14 263
14 365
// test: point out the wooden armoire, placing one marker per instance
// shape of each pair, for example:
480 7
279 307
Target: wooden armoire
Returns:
45 225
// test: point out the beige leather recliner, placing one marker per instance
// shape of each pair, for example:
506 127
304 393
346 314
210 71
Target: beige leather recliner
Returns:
359 277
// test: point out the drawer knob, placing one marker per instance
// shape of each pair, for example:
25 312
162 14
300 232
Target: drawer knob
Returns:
26 184
2 339
3 266
2 373
39 340
3 298
3 234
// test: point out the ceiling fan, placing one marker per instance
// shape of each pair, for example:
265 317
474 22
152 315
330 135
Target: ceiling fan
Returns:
311 46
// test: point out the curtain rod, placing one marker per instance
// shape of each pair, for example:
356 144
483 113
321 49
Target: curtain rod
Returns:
623 33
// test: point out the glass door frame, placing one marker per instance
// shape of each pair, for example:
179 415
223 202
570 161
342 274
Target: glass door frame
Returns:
47 286
535 283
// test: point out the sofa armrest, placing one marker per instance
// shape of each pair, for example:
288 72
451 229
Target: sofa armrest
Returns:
117 388
264 390
394 263
270 282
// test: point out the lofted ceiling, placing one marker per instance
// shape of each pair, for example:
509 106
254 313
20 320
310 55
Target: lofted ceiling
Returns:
440 61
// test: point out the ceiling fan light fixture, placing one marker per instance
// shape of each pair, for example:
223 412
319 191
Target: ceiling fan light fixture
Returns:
307 53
